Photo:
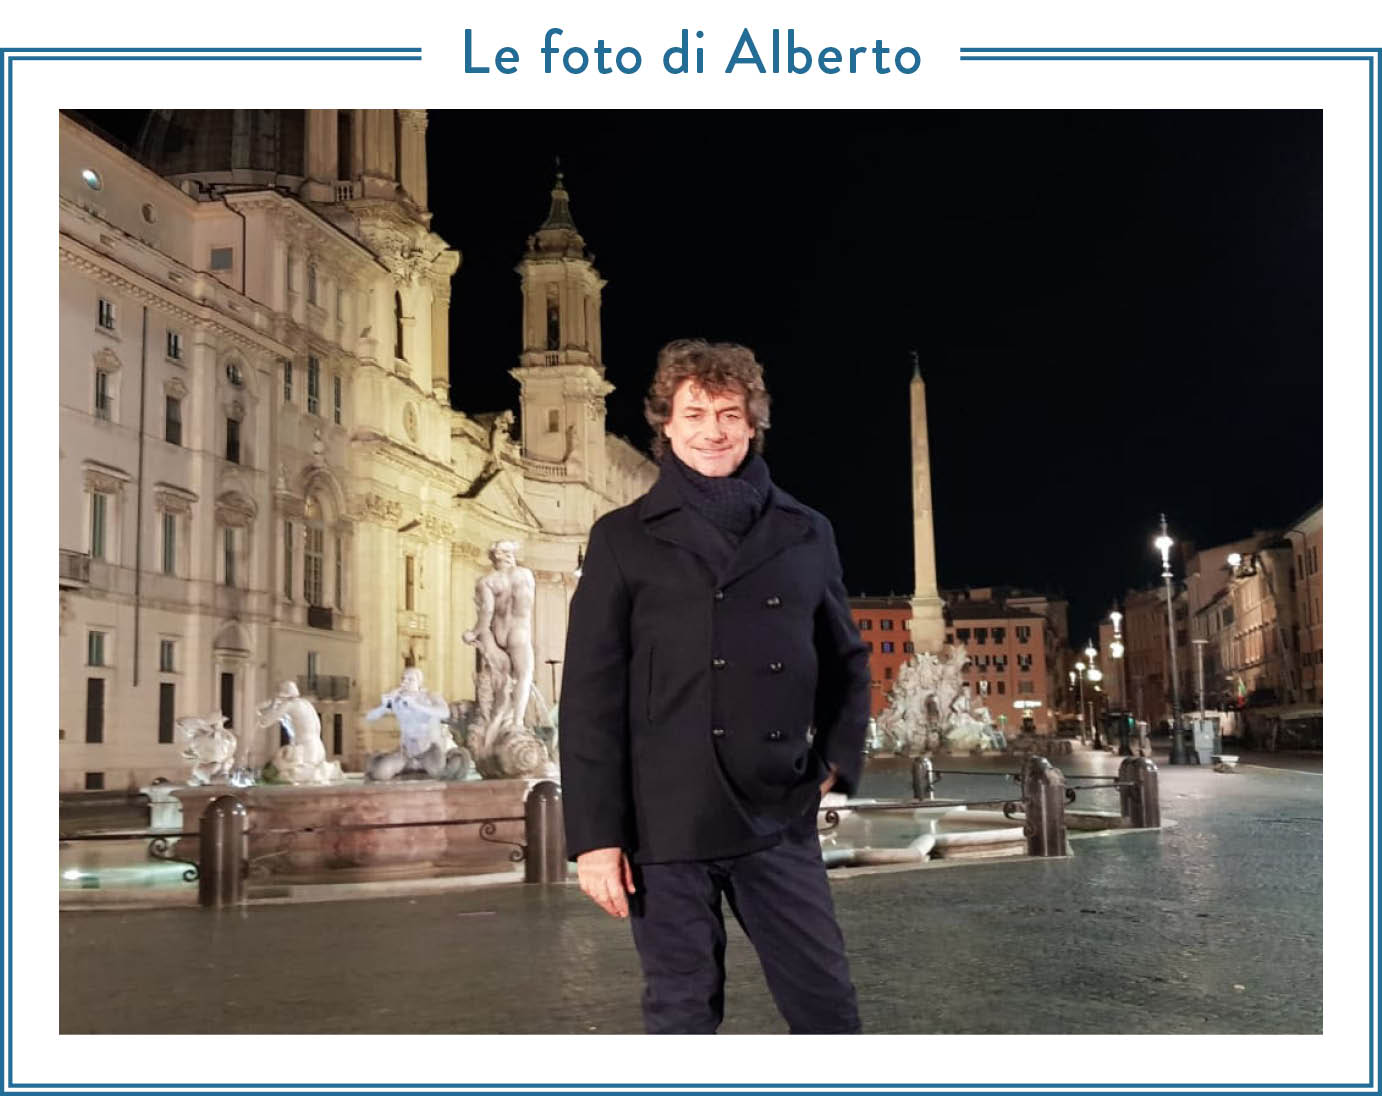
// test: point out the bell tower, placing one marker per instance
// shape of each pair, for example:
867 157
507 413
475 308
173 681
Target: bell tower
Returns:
560 370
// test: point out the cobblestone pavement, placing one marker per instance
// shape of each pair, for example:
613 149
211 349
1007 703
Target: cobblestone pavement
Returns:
1212 925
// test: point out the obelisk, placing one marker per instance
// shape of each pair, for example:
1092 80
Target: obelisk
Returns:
928 622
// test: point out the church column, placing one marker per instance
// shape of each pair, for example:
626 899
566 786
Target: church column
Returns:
378 168
441 340
412 172
321 155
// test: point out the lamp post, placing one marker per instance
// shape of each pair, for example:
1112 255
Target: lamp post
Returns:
1092 673
1079 669
1116 650
1163 544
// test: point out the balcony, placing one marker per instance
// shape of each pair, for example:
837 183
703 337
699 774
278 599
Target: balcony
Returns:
325 686
319 616
345 191
74 569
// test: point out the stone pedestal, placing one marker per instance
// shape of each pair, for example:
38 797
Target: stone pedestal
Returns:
341 832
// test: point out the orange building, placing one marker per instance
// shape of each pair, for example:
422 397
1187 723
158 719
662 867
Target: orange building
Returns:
885 625
1006 644
1307 539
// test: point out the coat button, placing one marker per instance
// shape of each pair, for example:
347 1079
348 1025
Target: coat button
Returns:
718 732
774 736
718 663
773 602
775 667
719 595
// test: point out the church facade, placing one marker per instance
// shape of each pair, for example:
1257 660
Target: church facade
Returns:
262 474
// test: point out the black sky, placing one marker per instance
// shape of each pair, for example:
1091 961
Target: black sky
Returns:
1116 312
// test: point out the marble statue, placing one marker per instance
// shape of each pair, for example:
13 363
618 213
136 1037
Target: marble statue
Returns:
930 707
424 743
503 639
209 745
498 435
302 760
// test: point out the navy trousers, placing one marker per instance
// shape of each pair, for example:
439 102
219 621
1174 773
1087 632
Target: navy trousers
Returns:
781 899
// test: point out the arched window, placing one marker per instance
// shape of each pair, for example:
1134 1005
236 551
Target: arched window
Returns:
313 556
398 325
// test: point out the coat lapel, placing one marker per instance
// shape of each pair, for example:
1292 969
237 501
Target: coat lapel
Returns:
780 527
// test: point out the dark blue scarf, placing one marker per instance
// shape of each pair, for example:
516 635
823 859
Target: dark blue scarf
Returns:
731 503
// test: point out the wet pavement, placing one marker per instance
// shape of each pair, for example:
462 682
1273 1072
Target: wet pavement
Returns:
1211 925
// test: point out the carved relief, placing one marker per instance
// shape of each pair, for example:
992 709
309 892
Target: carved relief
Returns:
235 510
436 528
376 510
175 388
173 502
104 482
106 359
410 421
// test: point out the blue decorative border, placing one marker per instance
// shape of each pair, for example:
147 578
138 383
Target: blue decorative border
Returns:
358 53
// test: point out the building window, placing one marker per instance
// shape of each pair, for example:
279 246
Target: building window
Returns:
1025 687
887 673
175 346
288 559
228 698
312 565
166 690
981 636
102 401
314 380
553 421
95 648
409 582
949 637
95 709
1024 633
95 782
287 381
907 624
866 624
908 647
339 577
99 509
885 625
999 634
337 733
166 651
869 644
553 325
398 325
228 554
983 687
172 420
105 314
962 634
311 283
313 667
1002 687
170 543
222 258
887 646
233 440
336 399
340 305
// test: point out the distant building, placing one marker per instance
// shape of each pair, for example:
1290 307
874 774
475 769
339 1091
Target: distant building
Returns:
1007 644
885 625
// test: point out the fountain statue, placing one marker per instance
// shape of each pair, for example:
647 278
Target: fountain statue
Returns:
424 744
209 745
930 707
302 760
503 637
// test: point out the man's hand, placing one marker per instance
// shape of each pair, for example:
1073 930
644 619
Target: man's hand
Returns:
829 781
605 875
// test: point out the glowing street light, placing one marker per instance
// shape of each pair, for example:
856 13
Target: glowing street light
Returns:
1163 544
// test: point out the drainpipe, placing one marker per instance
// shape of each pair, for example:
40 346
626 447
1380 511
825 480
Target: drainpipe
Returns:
139 489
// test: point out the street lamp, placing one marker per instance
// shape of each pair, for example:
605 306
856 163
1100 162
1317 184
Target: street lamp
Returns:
1163 544
1080 668
1116 650
1095 676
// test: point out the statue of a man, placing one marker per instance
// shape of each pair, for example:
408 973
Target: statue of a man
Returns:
303 759
424 744
503 633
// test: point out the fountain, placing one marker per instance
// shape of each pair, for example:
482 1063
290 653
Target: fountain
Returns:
930 709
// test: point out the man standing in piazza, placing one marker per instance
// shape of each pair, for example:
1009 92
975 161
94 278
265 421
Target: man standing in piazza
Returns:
715 688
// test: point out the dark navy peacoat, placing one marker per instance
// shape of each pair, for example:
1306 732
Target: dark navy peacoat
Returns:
706 689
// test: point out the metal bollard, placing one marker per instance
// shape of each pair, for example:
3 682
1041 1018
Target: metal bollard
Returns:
923 778
1043 800
223 853
1138 794
544 835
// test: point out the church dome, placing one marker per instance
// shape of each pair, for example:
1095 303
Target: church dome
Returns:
226 147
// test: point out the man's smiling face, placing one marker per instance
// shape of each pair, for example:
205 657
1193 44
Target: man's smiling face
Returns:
709 431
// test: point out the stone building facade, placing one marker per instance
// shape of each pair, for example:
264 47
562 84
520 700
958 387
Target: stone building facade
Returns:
262 475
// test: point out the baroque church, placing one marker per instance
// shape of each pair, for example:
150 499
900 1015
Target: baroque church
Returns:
262 473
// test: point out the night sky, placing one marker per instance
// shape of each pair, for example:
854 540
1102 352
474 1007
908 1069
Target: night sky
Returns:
1116 313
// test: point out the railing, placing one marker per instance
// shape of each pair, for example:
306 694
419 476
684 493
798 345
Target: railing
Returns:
345 191
552 357
223 859
74 568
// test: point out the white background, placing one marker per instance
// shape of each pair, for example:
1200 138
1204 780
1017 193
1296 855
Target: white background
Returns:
937 31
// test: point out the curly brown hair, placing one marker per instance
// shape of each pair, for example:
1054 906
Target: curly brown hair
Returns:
715 368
